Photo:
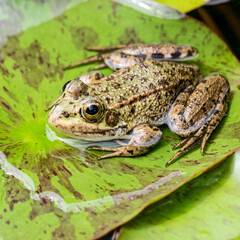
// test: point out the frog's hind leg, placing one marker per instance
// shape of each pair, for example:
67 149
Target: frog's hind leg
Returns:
107 48
159 51
103 53
196 113
96 58
136 53
122 56
144 137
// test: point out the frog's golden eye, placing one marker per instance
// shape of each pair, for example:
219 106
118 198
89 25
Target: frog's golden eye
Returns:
92 111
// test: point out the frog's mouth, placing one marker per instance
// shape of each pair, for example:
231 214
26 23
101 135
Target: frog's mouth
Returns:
77 128
94 133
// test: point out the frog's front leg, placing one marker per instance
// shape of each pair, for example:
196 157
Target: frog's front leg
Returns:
90 78
197 111
144 137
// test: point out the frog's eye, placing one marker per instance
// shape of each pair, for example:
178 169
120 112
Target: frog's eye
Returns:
92 111
65 85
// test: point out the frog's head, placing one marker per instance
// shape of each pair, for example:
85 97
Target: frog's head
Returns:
82 116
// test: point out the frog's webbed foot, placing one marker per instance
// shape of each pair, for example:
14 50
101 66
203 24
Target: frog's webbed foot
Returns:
122 56
144 137
118 152
197 113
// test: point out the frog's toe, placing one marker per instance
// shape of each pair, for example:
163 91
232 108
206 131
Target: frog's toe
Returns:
102 149
114 154
84 61
187 143
180 144
128 151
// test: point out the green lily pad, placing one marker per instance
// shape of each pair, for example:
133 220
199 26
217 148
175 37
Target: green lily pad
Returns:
206 208
60 191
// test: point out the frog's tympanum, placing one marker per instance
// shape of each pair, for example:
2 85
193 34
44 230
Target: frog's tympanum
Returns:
145 92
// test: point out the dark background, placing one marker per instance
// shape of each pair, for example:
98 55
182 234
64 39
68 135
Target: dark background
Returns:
224 20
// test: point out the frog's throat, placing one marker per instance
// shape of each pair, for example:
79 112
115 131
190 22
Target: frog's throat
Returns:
93 134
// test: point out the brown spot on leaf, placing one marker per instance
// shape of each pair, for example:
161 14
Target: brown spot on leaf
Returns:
130 36
6 105
128 166
83 37
15 193
35 62
30 100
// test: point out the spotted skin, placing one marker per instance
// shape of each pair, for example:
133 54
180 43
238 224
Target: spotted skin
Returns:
207 105
135 53
152 85
137 98
122 56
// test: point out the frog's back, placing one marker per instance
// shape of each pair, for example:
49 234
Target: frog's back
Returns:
145 92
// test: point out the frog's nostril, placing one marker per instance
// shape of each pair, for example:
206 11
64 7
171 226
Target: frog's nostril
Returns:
65 114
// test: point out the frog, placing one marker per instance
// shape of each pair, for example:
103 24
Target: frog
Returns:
149 88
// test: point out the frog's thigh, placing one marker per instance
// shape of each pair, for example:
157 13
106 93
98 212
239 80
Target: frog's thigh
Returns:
144 137
196 113
193 108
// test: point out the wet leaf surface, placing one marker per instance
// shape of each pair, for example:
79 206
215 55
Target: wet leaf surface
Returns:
58 191
205 208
